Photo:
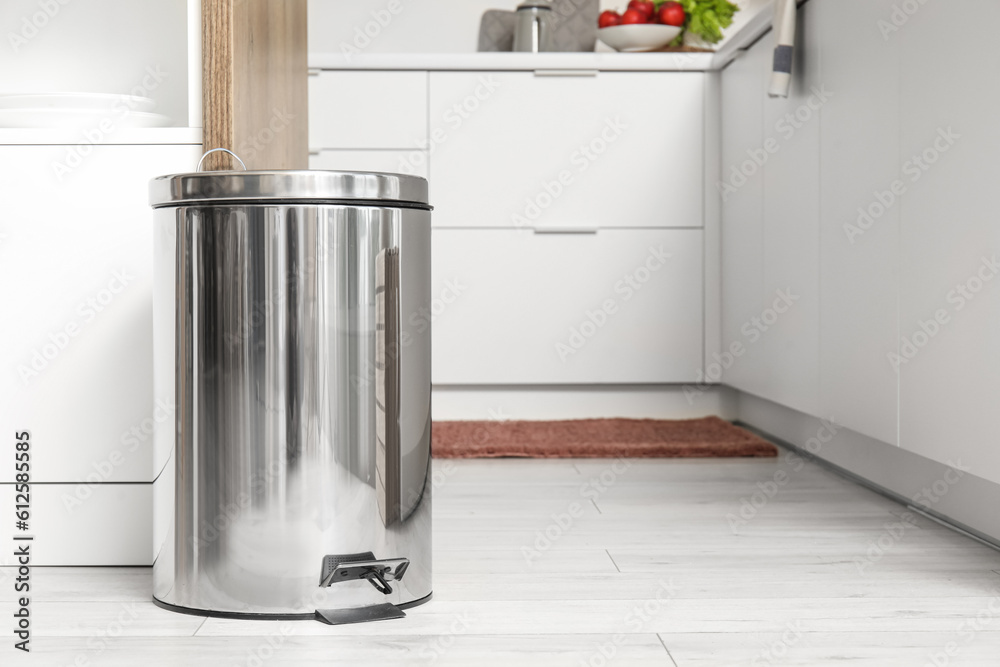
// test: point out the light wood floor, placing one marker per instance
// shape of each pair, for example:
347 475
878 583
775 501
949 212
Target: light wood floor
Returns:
651 572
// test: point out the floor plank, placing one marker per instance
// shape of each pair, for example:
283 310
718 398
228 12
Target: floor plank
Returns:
285 650
650 570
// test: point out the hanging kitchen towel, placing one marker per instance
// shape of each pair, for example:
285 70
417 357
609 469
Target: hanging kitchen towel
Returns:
784 50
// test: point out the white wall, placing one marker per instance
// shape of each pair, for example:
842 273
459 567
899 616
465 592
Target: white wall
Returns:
97 46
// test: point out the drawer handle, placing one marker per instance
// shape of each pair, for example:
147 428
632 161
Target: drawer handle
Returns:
565 229
566 72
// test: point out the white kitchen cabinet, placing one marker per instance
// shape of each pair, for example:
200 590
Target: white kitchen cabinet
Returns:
789 341
742 192
859 254
519 149
76 261
518 307
368 110
412 162
84 524
949 386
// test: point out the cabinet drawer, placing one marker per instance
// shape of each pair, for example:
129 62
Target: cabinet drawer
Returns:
516 307
78 260
413 162
620 149
368 110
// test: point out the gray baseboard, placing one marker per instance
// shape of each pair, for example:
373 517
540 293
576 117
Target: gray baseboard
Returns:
959 499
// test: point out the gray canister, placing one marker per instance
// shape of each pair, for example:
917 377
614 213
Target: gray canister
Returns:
294 479
533 27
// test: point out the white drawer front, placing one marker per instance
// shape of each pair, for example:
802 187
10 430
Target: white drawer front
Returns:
368 110
620 149
516 307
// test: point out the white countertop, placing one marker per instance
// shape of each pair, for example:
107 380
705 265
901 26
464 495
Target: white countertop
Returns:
759 23
506 61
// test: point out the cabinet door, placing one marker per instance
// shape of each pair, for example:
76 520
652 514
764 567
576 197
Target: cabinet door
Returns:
742 192
789 340
513 150
859 259
949 317
76 255
368 110
517 307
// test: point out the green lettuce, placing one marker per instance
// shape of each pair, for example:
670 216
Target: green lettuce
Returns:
707 18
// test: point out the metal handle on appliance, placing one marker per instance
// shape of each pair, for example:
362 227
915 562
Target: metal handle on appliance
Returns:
217 150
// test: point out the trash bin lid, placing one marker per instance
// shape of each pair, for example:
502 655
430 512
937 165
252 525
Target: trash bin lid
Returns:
358 188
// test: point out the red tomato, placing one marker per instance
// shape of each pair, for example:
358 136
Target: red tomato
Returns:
647 8
633 16
671 13
608 18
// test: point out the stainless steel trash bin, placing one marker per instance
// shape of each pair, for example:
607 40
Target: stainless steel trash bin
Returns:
295 477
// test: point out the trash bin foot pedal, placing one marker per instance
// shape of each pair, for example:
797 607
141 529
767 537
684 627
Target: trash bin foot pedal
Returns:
375 612
350 567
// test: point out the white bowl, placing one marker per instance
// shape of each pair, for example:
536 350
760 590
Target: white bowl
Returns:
638 36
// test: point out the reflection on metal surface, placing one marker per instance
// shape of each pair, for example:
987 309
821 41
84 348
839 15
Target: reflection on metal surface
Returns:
387 459
303 429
